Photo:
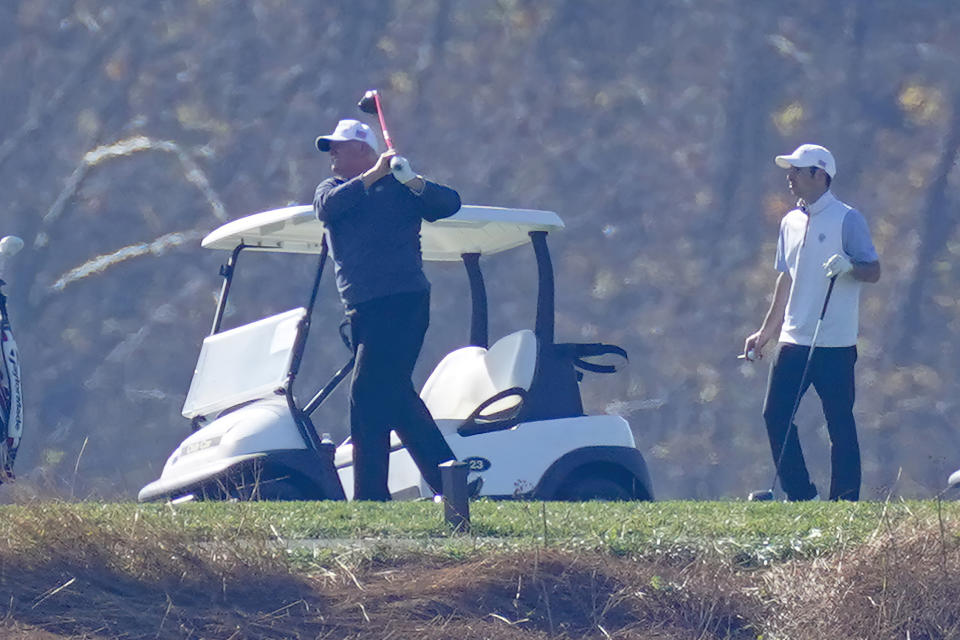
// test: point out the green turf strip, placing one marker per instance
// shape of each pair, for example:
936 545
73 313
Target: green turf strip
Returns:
747 534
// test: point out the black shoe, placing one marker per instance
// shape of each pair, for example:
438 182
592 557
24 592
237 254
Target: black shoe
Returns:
810 494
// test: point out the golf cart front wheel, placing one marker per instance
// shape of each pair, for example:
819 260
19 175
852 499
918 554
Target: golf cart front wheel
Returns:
593 488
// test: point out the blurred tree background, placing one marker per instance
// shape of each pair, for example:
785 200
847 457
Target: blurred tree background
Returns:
132 129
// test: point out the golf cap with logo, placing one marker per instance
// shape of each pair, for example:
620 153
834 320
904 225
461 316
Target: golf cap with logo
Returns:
809 155
349 130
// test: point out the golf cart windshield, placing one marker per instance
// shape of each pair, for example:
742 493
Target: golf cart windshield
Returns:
243 364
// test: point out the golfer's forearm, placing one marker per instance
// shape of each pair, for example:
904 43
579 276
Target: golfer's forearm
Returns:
417 185
866 271
778 306
771 325
370 176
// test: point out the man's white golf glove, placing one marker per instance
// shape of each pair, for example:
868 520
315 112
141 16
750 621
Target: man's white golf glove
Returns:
401 169
837 265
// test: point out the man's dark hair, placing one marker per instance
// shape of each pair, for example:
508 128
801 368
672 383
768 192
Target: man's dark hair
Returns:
813 172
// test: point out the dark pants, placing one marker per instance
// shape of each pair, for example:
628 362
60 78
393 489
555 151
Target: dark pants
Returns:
387 335
831 373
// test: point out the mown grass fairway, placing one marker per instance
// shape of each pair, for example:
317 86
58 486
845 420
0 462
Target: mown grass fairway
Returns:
527 570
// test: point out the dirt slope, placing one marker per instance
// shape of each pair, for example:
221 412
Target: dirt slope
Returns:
899 582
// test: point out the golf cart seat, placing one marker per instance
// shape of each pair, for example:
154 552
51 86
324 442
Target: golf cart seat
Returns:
483 389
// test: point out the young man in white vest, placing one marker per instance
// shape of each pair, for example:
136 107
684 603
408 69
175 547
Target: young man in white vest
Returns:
820 239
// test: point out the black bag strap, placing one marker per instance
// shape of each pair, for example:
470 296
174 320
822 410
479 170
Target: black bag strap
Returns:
577 351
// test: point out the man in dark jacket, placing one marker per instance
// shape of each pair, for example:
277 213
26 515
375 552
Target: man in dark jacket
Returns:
372 213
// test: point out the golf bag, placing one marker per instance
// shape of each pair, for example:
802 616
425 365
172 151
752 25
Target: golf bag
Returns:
11 400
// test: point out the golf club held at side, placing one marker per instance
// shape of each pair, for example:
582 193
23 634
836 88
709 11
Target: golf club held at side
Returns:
767 495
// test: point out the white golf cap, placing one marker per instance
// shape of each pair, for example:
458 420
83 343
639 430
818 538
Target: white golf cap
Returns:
809 155
349 130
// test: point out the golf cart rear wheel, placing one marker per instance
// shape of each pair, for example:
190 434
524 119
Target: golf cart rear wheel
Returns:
593 488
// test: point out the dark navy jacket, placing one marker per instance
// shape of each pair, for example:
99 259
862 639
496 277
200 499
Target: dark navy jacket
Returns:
374 234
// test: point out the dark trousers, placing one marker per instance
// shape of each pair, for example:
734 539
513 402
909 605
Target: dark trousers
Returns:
387 335
831 373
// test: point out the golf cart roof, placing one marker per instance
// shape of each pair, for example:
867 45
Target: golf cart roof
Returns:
473 229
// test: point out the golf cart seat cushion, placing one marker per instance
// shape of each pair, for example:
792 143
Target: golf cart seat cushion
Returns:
469 376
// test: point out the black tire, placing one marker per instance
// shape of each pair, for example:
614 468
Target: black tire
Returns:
284 490
594 487
280 489
258 484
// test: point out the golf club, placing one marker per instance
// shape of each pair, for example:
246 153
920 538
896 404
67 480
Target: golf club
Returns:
370 103
767 495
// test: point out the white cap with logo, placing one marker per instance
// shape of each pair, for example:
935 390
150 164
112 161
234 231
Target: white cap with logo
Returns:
809 155
349 130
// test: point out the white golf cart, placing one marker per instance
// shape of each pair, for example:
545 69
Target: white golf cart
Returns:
512 409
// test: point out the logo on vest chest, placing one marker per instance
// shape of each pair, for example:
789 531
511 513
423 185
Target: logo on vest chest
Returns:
822 237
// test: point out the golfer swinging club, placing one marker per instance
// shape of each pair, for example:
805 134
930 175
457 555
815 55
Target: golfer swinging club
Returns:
821 239
372 215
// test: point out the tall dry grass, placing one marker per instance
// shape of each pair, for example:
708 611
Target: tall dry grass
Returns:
76 575
902 583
